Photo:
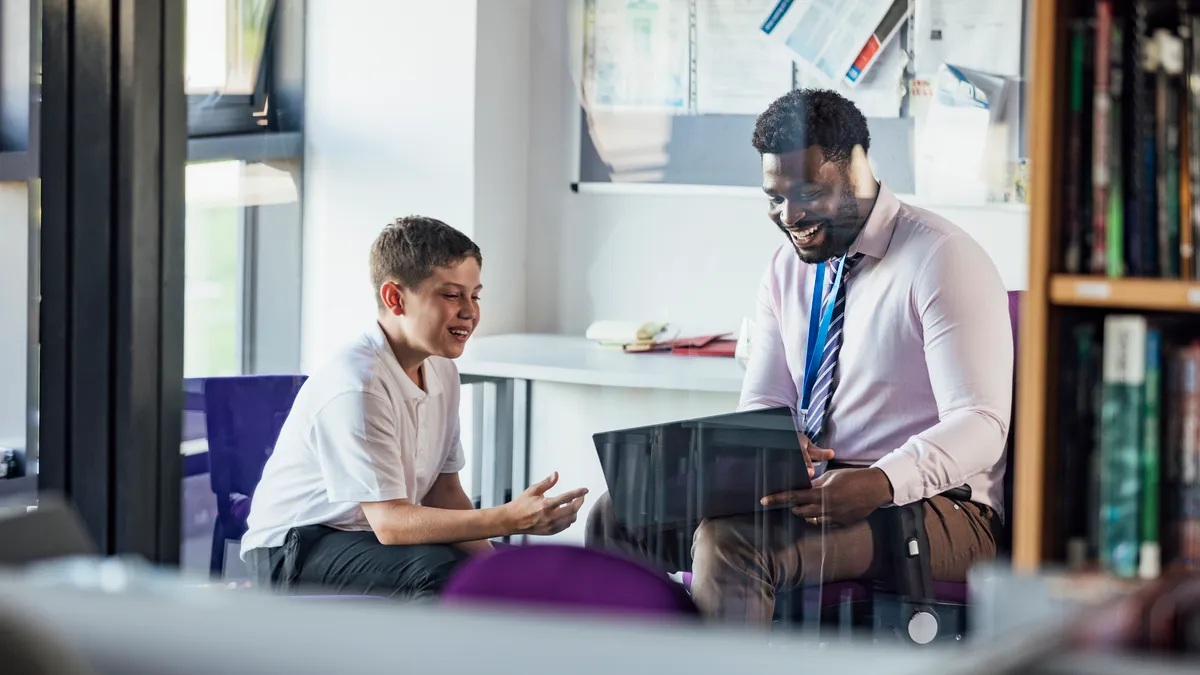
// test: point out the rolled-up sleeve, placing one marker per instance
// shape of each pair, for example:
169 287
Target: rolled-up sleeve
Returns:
768 382
961 304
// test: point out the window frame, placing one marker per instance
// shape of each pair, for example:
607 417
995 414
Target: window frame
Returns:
227 126
220 114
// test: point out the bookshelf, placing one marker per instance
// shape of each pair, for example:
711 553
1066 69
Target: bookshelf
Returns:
1057 302
1169 295
1030 459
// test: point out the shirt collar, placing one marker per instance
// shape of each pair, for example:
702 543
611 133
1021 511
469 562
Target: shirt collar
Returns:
876 235
408 388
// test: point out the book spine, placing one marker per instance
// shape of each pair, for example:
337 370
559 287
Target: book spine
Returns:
1172 451
1192 105
1078 443
1166 251
1142 162
1100 136
1150 554
1120 442
1183 157
1183 460
1115 227
1171 53
1136 196
1189 487
1075 224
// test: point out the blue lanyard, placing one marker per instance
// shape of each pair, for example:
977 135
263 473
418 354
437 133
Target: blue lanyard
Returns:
820 321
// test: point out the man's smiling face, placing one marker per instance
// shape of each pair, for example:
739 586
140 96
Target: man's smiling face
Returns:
812 200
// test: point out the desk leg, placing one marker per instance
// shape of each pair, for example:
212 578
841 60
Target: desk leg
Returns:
503 415
519 457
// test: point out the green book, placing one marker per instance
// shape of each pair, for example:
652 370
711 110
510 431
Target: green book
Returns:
1150 555
1115 248
1120 443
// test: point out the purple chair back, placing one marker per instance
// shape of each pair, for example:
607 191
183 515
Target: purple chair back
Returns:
243 416
567 578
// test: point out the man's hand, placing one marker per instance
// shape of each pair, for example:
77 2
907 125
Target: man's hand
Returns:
840 497
813 454
534 513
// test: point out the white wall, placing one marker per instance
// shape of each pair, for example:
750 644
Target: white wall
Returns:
412 108
389 115
502 107
14 311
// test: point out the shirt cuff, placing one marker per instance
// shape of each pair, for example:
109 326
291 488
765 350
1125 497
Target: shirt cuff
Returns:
901 471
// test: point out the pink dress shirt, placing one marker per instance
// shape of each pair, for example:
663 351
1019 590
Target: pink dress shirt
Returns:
924 375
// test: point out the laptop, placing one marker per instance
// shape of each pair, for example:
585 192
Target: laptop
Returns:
679 473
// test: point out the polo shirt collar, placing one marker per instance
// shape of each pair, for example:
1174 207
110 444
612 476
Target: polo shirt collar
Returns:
876 235
408 388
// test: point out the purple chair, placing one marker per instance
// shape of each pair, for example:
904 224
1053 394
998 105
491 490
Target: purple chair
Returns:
568 578
243 416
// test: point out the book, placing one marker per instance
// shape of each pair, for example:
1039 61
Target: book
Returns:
1186 231
1131 188
1115 225
1191 104
1150 552
1077 433
1101 102
1075 211
1120 441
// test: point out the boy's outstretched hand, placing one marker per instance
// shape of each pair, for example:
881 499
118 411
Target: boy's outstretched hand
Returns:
532 512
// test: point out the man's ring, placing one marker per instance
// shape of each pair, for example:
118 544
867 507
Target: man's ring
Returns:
813 521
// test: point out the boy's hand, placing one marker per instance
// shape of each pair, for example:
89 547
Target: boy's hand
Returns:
534 513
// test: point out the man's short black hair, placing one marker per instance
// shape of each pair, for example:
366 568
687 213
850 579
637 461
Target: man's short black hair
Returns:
806 117
407 251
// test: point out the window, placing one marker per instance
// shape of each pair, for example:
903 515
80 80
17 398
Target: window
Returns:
232 206
212 284
229 59
225 40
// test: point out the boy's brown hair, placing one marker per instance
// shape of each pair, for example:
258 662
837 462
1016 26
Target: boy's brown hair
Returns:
407 251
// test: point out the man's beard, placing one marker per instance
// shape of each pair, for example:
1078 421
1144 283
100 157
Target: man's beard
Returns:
840 231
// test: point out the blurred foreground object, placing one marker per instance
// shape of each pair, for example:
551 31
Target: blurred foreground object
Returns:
1163 616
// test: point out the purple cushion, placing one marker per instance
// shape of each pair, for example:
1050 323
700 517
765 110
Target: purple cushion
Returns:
567 577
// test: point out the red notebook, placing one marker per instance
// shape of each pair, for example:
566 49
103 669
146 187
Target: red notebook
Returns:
720 347
704 345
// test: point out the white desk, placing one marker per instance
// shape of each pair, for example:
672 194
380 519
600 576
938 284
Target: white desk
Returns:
575 360
507 364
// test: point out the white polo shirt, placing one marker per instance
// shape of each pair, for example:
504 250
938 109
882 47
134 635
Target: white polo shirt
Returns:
359 431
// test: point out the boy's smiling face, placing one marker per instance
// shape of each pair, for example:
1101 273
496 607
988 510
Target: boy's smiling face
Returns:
441 313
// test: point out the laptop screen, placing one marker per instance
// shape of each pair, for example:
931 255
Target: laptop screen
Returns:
681 472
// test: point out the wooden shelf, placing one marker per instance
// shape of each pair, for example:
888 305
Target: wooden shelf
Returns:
1135 294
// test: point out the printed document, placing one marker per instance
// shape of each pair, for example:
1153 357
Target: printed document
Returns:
738 70
640 55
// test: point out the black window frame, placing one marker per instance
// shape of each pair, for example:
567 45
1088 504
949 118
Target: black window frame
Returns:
267 123
109 258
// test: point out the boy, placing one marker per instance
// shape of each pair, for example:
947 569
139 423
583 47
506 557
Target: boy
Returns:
362 493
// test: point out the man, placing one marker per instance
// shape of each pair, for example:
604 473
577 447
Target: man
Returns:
902 375
362 493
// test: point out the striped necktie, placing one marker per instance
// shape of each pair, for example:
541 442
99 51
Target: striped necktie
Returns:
818 403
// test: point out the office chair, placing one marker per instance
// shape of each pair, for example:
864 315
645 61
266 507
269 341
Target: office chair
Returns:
243 415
